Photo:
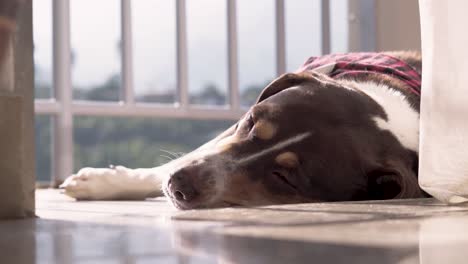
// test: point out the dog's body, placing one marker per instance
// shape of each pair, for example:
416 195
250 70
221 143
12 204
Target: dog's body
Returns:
325 133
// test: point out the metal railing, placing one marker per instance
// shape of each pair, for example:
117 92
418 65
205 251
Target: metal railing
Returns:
64 108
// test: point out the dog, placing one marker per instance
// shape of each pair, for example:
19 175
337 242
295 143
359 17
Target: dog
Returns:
344 127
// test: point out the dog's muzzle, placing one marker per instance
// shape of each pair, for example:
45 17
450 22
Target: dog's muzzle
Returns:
181 187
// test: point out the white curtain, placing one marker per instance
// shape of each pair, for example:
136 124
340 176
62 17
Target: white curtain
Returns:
443 170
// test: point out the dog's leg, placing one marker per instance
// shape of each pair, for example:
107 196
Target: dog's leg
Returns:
121 183
115 183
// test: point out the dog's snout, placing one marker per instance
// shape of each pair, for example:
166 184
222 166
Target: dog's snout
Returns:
181 186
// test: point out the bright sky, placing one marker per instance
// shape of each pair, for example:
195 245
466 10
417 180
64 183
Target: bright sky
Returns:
95 38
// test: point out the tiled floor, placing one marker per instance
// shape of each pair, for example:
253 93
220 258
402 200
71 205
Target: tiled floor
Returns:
411 231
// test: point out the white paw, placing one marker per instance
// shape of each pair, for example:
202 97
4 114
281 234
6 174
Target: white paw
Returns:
102 184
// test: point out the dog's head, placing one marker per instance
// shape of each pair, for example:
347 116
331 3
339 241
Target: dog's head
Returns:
308 138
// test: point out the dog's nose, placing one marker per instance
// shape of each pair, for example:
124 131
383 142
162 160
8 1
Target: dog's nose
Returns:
181 186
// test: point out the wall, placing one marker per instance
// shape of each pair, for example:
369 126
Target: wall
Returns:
397 25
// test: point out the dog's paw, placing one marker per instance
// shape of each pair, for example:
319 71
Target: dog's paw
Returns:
99 184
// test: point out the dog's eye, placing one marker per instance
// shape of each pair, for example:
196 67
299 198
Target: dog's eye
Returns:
245 127
250 122
283 178
250 126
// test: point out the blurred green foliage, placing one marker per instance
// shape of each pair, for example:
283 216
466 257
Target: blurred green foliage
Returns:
138 142
132 142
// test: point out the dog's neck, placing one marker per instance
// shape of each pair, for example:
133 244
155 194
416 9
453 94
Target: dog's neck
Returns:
402 118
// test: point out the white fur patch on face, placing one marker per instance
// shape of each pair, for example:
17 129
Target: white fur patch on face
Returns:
403 120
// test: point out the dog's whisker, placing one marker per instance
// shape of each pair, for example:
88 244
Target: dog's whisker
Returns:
180 154
167 157
173 154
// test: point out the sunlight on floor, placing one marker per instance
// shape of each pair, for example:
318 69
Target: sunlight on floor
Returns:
405 231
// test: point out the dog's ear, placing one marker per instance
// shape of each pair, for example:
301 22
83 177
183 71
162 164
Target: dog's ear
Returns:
383 184
286 81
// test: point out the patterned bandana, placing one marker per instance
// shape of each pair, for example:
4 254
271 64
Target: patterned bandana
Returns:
353 64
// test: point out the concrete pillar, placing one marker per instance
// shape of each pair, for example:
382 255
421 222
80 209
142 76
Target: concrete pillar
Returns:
17 177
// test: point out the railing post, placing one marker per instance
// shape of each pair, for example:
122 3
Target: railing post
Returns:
234 95
325 26
127 54
361 25
182 79
63 125
280 37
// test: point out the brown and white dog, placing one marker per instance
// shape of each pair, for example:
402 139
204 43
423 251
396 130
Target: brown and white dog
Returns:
344 127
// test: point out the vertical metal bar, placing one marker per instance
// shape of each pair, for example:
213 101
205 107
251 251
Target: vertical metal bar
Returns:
232 55
362 25
182 60
367 23
325 26
280 38
127 56
63 126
